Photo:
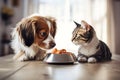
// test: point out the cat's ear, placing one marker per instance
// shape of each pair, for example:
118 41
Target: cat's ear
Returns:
77 24
85 25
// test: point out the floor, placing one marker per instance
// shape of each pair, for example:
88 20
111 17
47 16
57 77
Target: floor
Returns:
36 70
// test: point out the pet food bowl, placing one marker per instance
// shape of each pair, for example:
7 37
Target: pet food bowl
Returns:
60 58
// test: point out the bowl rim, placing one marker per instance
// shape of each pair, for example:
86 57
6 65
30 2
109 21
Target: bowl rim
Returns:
61 53
60 62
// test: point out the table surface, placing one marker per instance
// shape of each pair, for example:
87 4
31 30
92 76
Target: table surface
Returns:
37 70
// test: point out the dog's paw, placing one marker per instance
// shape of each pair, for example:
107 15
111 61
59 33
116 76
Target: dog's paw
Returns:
22 58
40 57
82 59
92 60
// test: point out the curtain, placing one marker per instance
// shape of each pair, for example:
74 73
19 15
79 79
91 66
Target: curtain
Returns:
103 21
111 26
30 7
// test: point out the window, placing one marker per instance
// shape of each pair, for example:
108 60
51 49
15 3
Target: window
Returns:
65 11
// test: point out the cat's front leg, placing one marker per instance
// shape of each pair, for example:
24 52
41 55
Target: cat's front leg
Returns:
81 58
92 60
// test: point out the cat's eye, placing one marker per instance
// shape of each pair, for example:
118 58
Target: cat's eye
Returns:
84 35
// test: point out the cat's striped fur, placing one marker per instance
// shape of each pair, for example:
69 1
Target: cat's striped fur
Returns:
91 48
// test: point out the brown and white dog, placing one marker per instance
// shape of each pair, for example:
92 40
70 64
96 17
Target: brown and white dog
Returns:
32 37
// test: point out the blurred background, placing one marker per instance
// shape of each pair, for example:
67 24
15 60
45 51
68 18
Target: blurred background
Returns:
103 15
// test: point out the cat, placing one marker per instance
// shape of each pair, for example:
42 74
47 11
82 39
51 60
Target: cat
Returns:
91 49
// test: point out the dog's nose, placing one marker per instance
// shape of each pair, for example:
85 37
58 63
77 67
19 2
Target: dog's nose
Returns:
52 44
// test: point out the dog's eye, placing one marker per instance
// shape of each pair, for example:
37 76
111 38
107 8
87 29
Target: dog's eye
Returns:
43 34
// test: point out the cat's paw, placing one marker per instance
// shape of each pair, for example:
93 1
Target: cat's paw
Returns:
92 60
82 59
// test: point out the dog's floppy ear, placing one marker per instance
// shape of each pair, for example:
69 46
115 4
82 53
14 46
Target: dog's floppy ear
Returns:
27 31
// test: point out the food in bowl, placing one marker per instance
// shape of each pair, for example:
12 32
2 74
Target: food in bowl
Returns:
62 51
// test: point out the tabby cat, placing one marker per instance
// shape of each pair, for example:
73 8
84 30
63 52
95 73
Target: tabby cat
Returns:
91 48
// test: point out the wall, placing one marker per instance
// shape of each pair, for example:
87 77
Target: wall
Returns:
116 8
18 15
0 24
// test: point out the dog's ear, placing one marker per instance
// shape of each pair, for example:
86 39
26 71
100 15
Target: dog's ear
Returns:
27 31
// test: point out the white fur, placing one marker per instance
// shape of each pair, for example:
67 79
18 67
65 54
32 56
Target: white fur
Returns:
49 38
82 59
89 48
49 24
92 60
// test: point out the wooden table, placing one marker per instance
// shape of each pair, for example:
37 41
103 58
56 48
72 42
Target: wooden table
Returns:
37 70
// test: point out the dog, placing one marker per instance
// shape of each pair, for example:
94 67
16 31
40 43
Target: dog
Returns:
32 37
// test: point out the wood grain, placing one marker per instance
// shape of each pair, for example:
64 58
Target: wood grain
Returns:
37 70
